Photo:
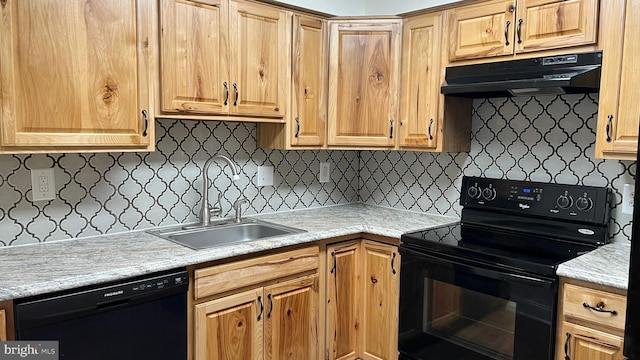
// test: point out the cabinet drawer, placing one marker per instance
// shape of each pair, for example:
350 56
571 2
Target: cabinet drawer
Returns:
576 297
222 278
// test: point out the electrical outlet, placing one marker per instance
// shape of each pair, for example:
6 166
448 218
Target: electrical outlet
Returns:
43 185
324 172
265 176
628 193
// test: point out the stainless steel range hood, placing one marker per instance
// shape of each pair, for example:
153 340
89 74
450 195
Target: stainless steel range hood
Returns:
566 74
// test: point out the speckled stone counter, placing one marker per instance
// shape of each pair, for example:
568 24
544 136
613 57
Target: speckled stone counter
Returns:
608 265
48 267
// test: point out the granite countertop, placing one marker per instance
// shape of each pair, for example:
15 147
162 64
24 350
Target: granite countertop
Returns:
60 265
607 265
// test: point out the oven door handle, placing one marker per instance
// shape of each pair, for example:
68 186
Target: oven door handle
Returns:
473 267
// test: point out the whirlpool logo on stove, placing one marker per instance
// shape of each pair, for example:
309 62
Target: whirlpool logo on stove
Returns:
524 206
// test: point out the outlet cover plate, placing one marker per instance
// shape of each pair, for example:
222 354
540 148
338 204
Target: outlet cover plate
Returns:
43 185
325 170
628 193
265 176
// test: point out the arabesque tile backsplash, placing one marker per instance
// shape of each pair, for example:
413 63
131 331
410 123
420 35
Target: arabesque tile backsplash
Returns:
546 138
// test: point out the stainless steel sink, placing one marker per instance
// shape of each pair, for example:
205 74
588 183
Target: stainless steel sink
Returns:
225 233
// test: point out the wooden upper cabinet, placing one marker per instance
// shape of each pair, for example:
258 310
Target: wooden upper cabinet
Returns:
506 27
619 109
364 80
420 82
75 74
193 54
309 89
224 57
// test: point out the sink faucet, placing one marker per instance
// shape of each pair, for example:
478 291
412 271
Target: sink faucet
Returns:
205 213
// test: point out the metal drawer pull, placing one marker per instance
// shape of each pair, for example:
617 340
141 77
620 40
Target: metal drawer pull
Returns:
566 347
506 34
430 125
393 258
600 308
146 122
270 306
297 128
226 93
519 31
235 87
391 133
333 269
608 129
261 307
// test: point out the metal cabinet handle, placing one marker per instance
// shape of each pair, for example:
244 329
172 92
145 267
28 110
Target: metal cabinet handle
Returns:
608 129
333 269
146 123
566 347
261 307
600 308
235 87
270 306
519 31
226 93
430 126
393 269
297 127
391 132
506 33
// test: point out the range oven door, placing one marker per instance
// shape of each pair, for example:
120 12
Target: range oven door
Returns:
456 309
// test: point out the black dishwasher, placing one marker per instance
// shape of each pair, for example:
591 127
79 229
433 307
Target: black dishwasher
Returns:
142 318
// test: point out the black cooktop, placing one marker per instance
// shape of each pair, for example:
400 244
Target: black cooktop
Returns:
526 227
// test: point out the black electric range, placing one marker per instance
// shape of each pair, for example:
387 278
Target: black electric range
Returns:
486 287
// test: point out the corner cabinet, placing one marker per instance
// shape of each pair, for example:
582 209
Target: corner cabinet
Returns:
619 108
224 57
363 283
306 125
364 83
261 308
590 322
424 124
499 27
76 75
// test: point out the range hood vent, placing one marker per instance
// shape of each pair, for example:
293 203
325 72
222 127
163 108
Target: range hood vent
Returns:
564 74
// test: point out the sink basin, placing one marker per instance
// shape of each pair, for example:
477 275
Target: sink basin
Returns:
222 234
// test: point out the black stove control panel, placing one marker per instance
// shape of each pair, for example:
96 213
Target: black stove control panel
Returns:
571 202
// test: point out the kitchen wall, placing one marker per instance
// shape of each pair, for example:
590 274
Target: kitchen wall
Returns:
366 7
115 192
544 138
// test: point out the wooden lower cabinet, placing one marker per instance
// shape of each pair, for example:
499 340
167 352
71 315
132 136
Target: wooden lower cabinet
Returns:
585 343
278 321
3 325
363 282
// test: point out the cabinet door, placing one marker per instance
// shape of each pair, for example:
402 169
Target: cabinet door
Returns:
194 60
619 108
3 325
260 49
230 328
344 301
380 300
481 30
420 82
364 79
552 24
291 323
74 73
308 97
585 343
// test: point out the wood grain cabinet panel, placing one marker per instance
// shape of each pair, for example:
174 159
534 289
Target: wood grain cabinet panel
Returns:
507 27
364 80
585 343
3 325
76 74
619 108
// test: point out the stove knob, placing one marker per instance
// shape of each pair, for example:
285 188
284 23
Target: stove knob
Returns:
474 192
584 203
489 194
564 201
